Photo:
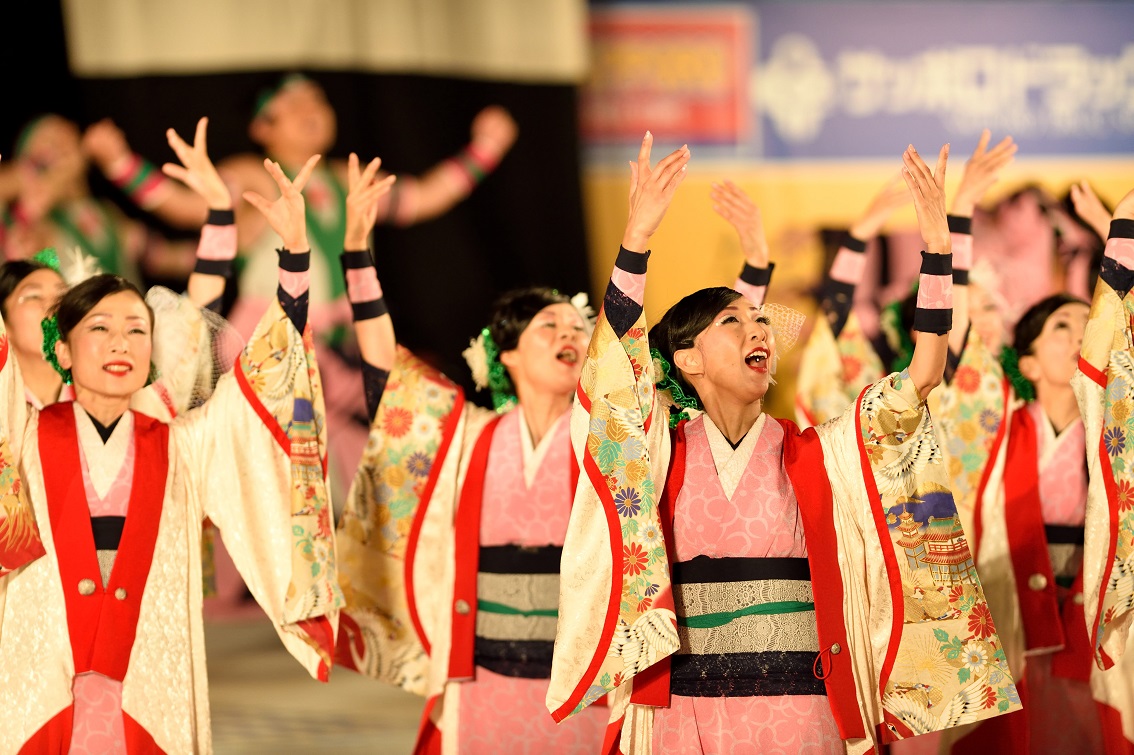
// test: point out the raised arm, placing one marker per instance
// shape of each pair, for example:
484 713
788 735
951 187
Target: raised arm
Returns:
1090 208
217 247
845 275
732 204
373 326
416 199
1105 391
981 172
139 180
933 317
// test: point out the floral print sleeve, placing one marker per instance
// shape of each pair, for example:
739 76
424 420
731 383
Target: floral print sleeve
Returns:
1104 387
945 664
834 369
970 416
616 605
19 536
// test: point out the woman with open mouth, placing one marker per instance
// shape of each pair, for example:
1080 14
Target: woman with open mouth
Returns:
450 540
735 585
101 637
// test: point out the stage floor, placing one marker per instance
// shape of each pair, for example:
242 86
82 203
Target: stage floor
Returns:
264 702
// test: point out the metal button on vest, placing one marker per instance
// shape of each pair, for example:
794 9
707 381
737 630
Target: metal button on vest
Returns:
836 649
462 607
1037 582
1079 599
86 587
120 593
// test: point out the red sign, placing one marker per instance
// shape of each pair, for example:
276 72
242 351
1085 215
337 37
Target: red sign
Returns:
681 73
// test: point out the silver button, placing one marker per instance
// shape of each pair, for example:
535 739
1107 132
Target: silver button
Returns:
836 649
120 593
1079 599
1037 582
462 607
86 587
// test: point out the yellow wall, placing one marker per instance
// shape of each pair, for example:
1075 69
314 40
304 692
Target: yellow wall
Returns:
695 248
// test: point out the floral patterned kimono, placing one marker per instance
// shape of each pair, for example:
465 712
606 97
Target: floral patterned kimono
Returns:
450 545
1104 386
101 638
805 592
840 360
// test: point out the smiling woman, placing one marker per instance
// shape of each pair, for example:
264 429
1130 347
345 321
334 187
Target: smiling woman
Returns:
101 507
105 342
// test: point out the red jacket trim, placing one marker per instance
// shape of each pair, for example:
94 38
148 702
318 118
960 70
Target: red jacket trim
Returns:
1039 608
803 460
101 625
467 556
994 454
448 431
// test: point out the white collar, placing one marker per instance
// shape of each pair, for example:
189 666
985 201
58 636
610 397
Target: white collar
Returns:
729 462
533 456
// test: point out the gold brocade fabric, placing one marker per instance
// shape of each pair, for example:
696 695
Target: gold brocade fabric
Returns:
833 371
403 453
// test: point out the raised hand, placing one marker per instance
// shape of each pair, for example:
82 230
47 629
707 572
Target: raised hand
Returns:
286 214
651 191
892 196
1090 208
105 143
1124 210
362 201
741 212
494 131
928 191
197 170
982 171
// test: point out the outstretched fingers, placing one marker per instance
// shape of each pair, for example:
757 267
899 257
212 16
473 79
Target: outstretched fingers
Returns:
305 172
939 171
200 140
257 201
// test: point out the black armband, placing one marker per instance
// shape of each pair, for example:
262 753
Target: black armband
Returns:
757 276
960 224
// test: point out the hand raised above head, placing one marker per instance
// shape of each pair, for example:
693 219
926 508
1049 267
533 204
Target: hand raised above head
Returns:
890 197
494 131
651 191
928 191
982 171
1090 208
362 200
732 204
197 170
105 143
286 215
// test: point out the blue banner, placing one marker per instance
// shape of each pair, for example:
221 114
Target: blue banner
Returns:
862 80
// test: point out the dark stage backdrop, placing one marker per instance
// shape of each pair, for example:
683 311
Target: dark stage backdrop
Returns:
523 225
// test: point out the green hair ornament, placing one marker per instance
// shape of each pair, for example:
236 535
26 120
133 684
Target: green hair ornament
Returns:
1010 362
665 381
483 357
48 257
50 327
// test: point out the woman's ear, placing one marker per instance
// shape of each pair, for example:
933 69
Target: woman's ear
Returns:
1030 367
63 354
508 358
688 361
